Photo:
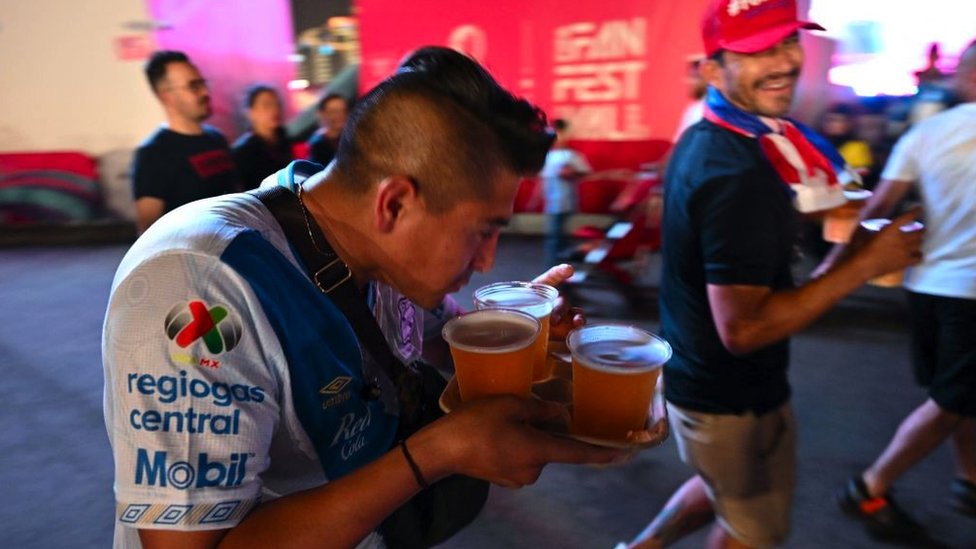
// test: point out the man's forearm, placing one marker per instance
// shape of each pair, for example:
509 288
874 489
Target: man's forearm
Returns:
778 314
339 514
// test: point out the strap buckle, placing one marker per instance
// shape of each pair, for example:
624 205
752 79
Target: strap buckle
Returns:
336 279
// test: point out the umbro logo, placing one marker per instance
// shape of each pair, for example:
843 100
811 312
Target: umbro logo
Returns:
336 385
334 392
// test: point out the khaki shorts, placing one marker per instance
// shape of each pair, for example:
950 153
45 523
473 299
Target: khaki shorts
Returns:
747 463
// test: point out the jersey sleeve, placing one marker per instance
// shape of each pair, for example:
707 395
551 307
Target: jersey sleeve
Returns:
740 232
191 402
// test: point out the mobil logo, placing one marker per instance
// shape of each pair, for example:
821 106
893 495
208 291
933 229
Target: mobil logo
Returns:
218 327
159 470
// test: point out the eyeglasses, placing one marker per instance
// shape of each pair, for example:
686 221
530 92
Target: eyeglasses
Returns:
195 86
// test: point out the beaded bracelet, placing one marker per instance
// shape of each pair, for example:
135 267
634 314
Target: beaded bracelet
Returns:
421 481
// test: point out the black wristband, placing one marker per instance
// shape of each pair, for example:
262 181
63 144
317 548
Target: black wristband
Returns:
421 481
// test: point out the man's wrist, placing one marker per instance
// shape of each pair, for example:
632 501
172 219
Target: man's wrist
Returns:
430 456
418 475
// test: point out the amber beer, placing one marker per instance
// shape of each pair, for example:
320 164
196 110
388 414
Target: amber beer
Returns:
841 222
537 300
492 351
615 370
895 278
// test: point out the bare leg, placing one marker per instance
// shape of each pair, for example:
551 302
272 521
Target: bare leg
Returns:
964 449
686 511
917 436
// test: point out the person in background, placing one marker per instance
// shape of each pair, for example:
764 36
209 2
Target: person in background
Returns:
696 92
838 126
930 74
560 175
184 160
332 111
936 158
264 148
242 407
728 302
934 95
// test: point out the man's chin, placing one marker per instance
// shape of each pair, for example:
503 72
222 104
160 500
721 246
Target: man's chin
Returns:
432 302
439 297
777 108
433 298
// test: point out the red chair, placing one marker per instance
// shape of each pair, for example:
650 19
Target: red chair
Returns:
622 251
48 187
626 185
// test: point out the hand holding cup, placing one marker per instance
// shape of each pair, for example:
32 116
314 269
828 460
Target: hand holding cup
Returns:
893 245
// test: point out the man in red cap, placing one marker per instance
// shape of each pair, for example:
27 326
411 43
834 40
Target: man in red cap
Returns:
734 186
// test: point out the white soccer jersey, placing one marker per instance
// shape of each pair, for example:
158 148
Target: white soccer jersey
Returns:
229 377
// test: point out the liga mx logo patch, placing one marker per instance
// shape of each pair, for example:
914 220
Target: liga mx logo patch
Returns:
218 327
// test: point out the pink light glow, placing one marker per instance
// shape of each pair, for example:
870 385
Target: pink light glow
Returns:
881 44
235 43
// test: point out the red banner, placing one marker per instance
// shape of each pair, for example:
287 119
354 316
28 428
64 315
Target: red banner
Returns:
615 70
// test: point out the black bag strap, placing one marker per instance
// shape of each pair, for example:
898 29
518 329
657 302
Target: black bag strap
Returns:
333 278
438 512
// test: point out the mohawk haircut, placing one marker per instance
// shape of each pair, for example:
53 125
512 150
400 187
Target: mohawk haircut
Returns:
443 121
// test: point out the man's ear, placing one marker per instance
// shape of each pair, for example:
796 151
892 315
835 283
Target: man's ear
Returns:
711 71
395 196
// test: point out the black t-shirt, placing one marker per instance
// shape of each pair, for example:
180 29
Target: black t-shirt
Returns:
179 168
256 158
321 149
728 219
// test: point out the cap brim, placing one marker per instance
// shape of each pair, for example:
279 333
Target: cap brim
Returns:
768 38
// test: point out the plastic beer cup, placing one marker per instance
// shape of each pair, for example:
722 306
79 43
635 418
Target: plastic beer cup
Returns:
615 371
537 300
841 222
892 279
492 351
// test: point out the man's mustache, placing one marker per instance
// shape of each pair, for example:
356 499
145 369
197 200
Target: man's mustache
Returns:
795 73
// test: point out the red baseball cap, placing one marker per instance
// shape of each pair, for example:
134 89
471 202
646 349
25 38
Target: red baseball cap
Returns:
749 26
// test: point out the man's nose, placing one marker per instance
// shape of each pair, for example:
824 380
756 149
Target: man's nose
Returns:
484 260
786 58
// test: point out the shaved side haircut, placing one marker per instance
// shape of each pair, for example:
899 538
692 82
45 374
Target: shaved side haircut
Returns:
443 121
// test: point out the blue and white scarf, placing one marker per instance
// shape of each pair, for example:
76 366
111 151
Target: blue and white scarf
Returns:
806 162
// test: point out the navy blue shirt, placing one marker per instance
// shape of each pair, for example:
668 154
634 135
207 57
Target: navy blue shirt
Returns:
728 219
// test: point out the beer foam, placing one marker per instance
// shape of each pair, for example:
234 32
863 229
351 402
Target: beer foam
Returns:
619 349
491 331
535 299
879 223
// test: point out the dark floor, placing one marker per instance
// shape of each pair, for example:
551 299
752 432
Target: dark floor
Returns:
850 372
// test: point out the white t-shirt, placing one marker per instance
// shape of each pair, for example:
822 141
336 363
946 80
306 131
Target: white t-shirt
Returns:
560 193
939 154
